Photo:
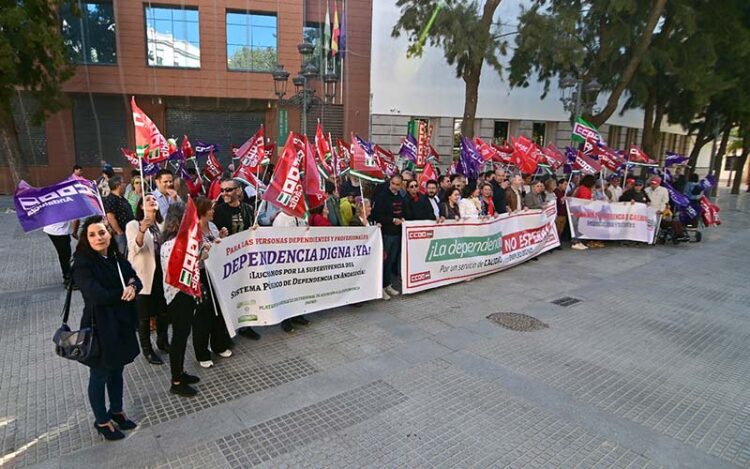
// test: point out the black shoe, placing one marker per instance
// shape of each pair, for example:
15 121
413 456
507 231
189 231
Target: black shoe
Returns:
301 320
122 422
153 358
286 326
183 389
108 434
162 345
190 379
249 333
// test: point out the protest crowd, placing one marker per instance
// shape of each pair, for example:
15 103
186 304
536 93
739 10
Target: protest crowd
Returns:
168 212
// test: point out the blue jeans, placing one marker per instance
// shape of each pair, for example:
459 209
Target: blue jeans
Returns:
392 262
122 245
112 380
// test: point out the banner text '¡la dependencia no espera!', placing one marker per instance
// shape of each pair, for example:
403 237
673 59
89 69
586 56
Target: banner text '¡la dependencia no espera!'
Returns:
289 256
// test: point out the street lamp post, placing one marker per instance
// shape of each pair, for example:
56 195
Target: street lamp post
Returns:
304 96
578 96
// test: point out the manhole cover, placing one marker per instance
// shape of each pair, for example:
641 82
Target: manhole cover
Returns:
566 301
517 322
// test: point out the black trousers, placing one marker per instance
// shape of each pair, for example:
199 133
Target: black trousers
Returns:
209 326
181 312
152 305
62 246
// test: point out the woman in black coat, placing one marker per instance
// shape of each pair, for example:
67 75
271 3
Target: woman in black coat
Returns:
109 285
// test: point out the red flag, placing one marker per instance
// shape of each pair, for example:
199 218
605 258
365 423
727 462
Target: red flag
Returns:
636 155
130 156
187 148
322 151
609 158
486 151
423 143
251 153
586 164
434 154
315 188
504 154
427 174
554 157
385 160
285 190
183 269
525 155
213 168
150 144
710 212
363 165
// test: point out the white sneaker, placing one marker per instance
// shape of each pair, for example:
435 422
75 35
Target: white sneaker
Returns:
386 296
579 246
391 291
226 353
206 364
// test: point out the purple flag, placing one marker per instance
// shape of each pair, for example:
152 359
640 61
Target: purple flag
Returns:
204 149
678 198
708 182
181 171
673 158
365 144
342 34
470 161
151 169
176 155
71 199
408 148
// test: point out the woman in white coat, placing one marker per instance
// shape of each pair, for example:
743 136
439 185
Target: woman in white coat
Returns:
143 236
470 206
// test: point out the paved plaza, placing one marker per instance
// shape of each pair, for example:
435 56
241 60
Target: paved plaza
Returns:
651 368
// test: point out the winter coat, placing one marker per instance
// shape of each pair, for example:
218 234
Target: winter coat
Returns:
115 340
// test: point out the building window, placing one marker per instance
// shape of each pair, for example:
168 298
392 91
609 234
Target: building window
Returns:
613 139
538 133
631 137
251 41
90 37
173 37
500 133
457 137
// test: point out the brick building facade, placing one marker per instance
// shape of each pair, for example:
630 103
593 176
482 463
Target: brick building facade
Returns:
196 67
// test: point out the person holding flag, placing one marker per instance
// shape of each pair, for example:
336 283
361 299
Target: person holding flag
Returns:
180 251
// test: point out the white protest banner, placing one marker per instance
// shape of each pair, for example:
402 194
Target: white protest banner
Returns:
263 276
437 254
596 219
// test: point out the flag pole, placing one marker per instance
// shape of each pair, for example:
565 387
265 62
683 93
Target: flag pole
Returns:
143 184
334 167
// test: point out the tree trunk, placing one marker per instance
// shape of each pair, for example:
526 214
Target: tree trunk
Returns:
740 165
9 144
635 60
471 98
718 159
647 141
704 136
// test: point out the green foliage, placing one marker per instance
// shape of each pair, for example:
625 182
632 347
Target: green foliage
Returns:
32 53
585 39
462 29
261 59
90 35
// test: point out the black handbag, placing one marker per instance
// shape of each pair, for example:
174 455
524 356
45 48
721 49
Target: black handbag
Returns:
73 345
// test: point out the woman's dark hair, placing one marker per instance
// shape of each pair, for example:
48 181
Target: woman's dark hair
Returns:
694 177
588 180
469 189
484 184
84 247
447 195
173 220
140 215
203 205
561 180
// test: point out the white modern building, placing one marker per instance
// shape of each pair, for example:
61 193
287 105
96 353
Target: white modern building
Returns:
427 88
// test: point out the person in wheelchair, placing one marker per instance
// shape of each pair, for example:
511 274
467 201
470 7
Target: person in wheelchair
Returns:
659 200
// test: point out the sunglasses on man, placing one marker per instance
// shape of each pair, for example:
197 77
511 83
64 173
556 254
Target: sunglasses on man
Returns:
227 190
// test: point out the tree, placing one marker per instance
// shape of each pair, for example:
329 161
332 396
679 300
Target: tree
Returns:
587 39
468 36
33 57
261 59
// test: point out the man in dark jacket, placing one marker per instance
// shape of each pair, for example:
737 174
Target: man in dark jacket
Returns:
499 186
417 206
334 205
388 210
234 215
636 194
